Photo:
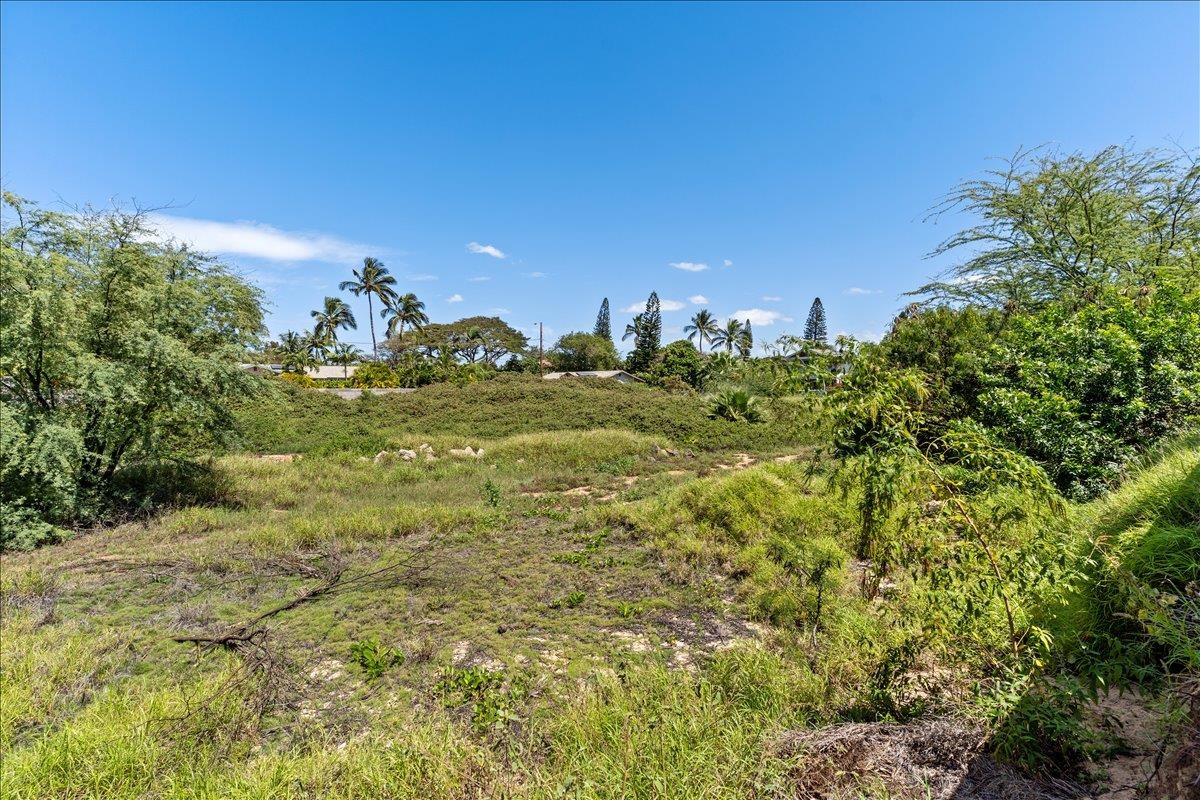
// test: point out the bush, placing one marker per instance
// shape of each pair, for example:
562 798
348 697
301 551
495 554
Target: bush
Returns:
375 376
736 405
298 379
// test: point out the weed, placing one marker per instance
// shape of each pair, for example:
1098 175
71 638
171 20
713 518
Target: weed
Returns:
375 658
491 493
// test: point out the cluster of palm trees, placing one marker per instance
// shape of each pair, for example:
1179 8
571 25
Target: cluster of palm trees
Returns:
704 328
402 311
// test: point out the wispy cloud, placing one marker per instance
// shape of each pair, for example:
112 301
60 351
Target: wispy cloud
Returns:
759 316
480 278
454 298
697 299
771 298
422 276
535 274
485 250
664 305
728 263
499 311
258 240
689 266
860 290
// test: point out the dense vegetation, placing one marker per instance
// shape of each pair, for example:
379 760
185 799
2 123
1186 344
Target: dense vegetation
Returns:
744 577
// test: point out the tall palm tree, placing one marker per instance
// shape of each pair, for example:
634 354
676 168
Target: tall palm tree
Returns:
729 336
336 314
345 355
703 327
406 310
373 279
633 329
317 345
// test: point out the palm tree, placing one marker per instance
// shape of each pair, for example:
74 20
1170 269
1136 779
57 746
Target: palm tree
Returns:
703 326
316 345
372 280
729 336
293 349
336 314
406 310
633 329
345 355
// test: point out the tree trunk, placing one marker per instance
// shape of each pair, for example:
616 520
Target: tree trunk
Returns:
371 319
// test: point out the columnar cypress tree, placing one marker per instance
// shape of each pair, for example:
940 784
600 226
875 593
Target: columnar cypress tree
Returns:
603 323
649 338
814 328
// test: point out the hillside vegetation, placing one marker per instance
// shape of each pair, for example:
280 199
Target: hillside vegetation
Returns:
295 421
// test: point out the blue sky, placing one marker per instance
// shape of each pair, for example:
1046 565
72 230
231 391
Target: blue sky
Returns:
771 153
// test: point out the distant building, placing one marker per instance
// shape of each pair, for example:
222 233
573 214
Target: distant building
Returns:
325 372
619 375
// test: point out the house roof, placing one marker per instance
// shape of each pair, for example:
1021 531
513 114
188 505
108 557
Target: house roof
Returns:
328 372
590 373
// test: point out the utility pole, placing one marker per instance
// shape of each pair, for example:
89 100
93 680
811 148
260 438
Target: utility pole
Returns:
541 358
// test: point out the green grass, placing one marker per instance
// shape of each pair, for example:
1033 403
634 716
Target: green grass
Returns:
582 613
291 420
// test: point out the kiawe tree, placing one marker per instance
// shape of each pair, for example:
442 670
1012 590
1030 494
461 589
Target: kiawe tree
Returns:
583 351
603 322
120 356
814 327
372 279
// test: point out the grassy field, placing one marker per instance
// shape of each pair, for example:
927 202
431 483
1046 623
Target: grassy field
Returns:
619 599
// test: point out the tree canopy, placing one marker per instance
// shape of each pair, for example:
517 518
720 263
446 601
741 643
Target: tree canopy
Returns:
117 349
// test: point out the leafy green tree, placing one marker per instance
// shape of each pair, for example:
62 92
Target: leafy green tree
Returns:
407 310
814 326
729 336
333 315
702 327
649 336
679 360
583 351
118 352
1061 226
603 327
484 340
372 280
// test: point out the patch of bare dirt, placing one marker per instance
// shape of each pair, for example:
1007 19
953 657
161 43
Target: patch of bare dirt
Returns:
936 759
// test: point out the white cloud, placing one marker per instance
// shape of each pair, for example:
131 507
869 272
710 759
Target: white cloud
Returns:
728 263
485 250
860 290
257 239
480 278
424 276
454 298
759 316
664 305
689 266
771 298
697 299
499 311
535 274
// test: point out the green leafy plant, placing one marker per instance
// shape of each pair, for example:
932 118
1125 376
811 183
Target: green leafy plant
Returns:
374 657
491 493
492 697
736 405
